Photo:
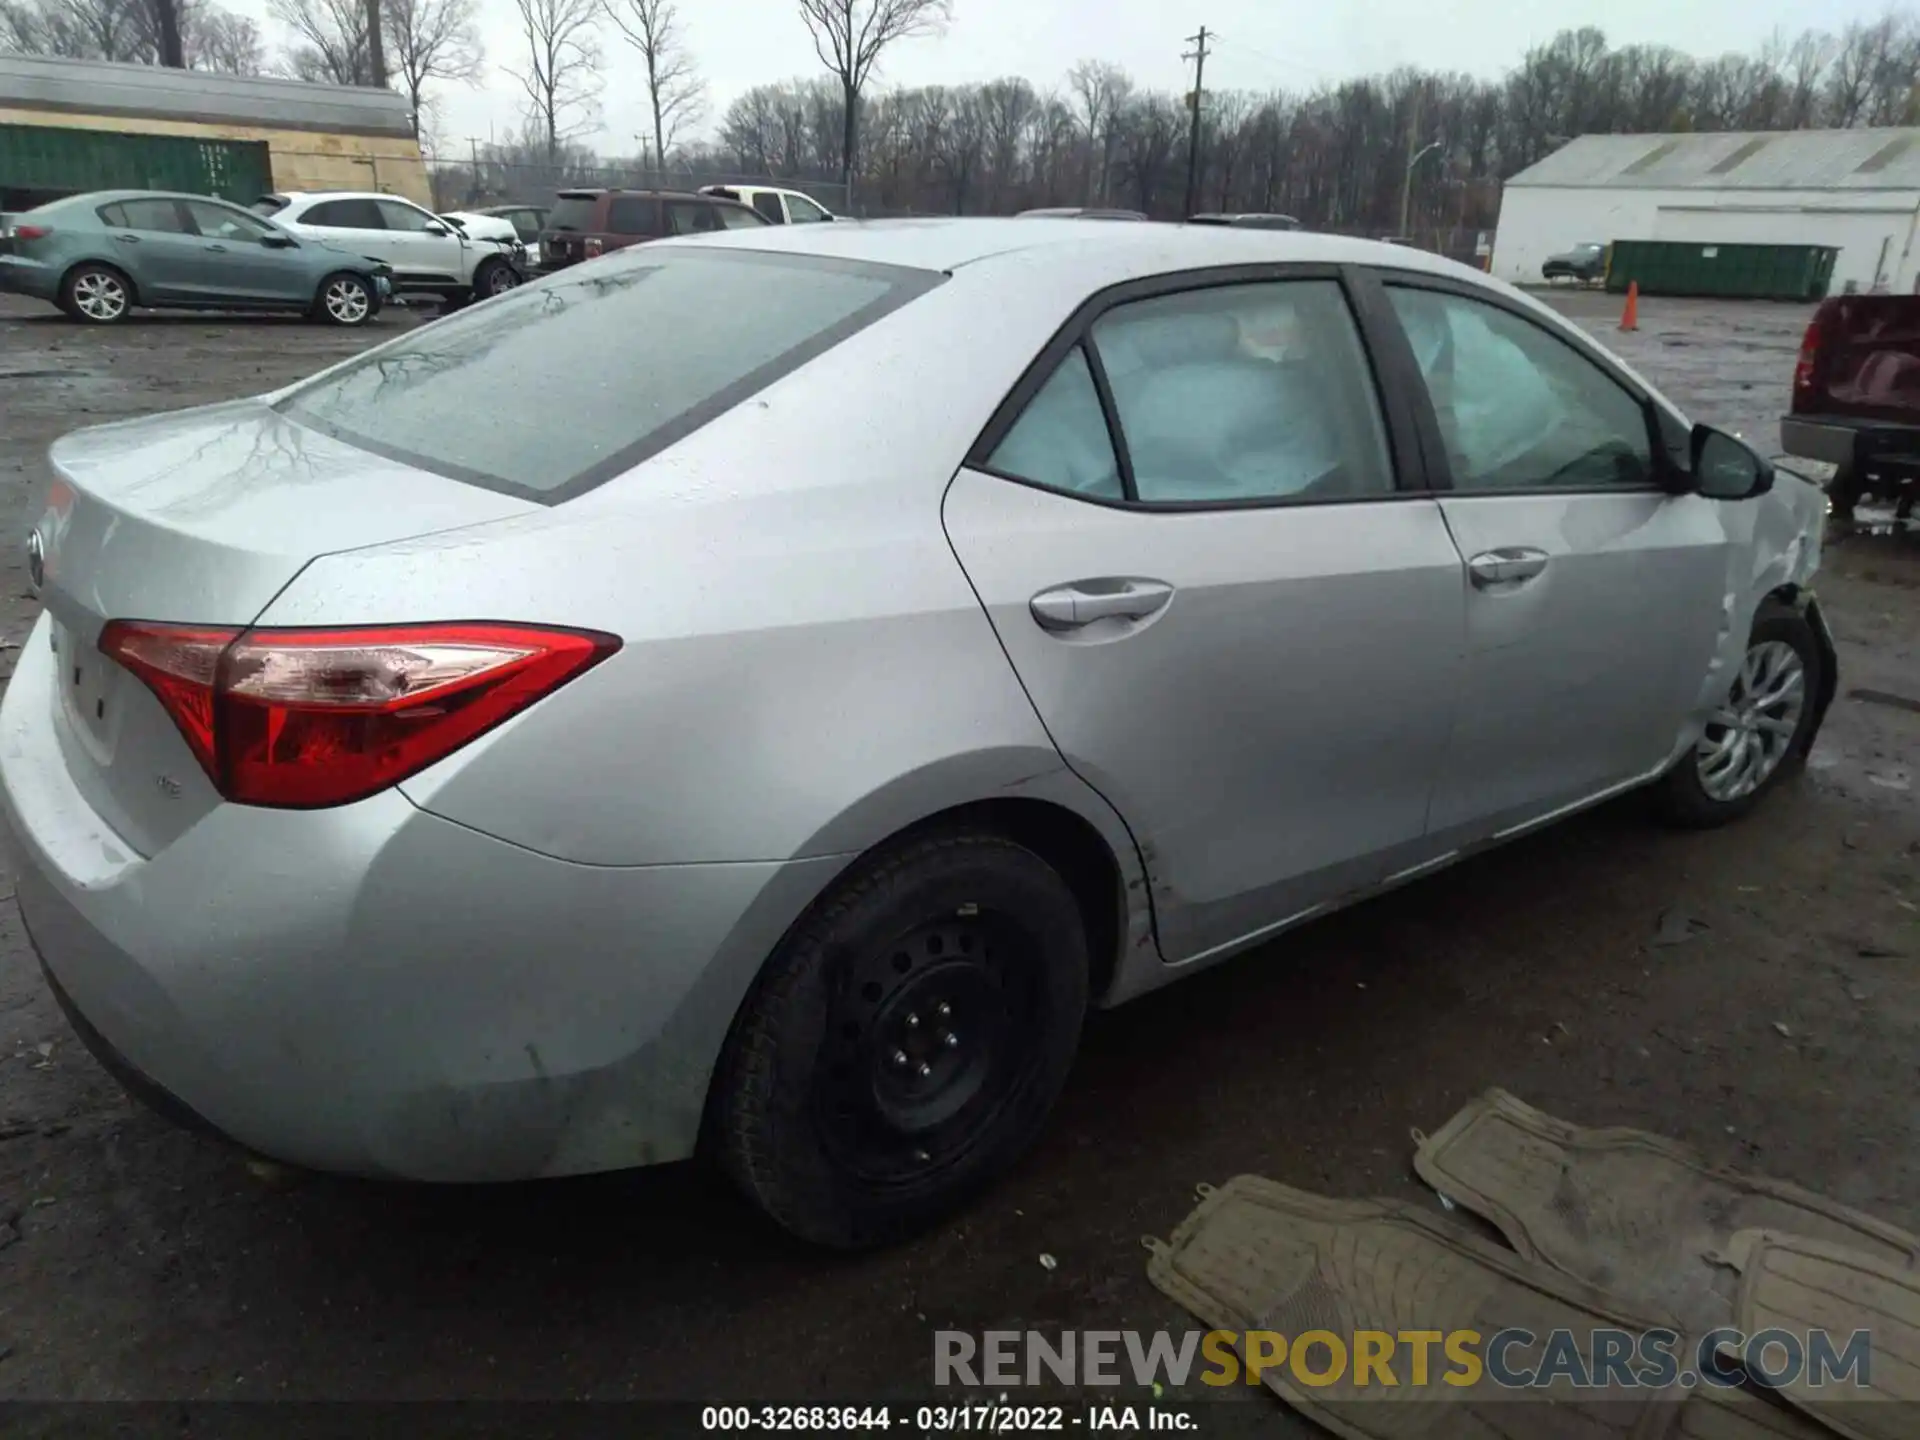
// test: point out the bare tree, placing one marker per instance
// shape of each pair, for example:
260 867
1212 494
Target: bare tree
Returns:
1101 91
330 40
431 40
562 76
677 94
222 42
849 36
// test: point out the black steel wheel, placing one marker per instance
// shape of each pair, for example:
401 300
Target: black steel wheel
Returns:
907 1041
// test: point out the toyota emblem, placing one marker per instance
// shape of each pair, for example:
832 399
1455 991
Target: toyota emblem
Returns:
37 559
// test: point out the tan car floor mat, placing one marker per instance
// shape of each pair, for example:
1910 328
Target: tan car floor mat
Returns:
1631 1213
1258 1255
1800 1285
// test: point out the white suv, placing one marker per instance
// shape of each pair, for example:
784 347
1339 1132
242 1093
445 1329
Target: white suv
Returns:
780 207
428 256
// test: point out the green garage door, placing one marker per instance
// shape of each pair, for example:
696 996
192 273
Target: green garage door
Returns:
48 161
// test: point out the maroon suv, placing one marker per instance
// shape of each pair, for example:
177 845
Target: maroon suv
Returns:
586 223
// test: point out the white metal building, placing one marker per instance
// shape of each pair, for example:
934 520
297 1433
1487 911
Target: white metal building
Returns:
1856 189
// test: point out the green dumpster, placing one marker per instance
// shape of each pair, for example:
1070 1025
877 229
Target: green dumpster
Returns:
1722 271
54 160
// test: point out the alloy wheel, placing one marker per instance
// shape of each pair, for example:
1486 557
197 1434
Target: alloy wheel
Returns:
501 279
100 296
1749 735
346 301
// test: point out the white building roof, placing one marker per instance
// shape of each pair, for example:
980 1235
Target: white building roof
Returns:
96 87
1885 159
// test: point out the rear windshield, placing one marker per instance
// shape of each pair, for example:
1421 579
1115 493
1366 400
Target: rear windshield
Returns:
572 212
555 387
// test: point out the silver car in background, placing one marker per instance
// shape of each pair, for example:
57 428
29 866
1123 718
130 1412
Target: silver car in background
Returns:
754 692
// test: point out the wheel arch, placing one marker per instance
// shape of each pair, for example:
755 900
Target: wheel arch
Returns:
1105 877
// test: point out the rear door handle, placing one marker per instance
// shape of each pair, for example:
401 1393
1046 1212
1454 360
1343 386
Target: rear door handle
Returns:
1509 565
128 239
1068 607
218 249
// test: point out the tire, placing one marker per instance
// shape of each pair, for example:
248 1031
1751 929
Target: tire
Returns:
1845 490
495 277
346 300
96 295
1713 783
905 1044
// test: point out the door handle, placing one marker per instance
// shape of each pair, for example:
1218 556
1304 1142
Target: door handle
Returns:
1068 607
217 249
128 239
1509 565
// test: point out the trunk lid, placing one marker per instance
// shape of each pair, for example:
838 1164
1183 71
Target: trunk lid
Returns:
198 518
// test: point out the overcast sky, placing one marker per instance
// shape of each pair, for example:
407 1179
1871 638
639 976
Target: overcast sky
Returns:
1292 44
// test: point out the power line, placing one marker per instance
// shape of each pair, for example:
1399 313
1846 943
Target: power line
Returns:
1199 57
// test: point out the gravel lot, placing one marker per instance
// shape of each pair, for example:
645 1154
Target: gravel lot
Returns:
138 1262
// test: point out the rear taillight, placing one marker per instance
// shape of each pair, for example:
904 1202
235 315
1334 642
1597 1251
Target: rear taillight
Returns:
307 718
31 232
591 247
1803 367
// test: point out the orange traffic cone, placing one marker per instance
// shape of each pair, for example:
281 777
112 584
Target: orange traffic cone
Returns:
1630 317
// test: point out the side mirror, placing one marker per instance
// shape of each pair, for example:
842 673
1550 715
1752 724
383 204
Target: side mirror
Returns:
279 241
1725 468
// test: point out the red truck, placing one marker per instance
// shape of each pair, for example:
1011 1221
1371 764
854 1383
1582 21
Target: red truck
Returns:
1856 399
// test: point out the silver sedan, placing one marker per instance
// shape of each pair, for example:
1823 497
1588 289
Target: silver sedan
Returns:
752 694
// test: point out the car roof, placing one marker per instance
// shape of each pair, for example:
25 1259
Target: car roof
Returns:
618 190
108 197
290 196
1106 253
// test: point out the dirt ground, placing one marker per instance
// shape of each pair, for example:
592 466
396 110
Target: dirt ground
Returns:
139 1262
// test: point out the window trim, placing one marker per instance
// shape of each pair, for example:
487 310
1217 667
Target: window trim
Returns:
1406 461
1440 466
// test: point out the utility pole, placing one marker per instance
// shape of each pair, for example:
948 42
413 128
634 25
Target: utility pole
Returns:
377 48
1413 157
1199 57
473 182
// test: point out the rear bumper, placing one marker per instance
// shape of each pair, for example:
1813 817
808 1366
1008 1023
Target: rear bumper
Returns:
1817 439
374 990
1849 443
21 276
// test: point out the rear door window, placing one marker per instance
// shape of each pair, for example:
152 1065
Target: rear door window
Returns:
497 395
803 211
1245 393
768 204
162 216
345 215
738 217
633 215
